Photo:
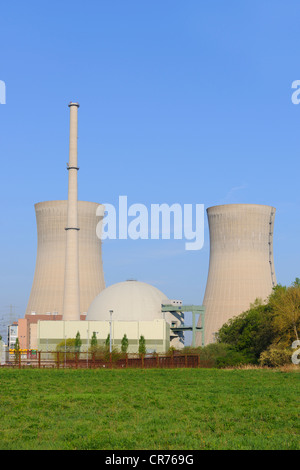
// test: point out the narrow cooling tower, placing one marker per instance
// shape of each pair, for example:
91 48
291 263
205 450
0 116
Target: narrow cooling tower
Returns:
47 291
241 265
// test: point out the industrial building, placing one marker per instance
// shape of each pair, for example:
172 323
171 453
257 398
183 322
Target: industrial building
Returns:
155 332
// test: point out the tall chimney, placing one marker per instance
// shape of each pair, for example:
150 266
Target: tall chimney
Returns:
71 306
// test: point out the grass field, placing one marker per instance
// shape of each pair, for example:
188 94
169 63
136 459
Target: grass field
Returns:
149 409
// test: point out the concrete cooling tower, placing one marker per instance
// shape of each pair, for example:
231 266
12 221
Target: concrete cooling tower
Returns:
241 265
47 293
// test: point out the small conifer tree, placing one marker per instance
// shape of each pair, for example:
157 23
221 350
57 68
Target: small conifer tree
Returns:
94 341
142 345
17 349
78 342
124 344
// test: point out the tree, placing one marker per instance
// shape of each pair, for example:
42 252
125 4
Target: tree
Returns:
77 343
296 283
17 348
17 345
250 332
94 341
142 345
107 341
264 327
124 344
285 304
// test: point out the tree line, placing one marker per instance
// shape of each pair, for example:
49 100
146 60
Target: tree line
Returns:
74 345
263 335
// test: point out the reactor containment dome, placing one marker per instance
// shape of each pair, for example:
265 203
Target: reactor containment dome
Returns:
135 301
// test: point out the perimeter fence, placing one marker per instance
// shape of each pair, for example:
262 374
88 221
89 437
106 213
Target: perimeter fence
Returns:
84 360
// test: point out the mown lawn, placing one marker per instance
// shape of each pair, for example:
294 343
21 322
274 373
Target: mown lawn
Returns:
149 409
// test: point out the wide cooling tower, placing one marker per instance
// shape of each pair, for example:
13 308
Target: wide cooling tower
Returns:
241 265
47 291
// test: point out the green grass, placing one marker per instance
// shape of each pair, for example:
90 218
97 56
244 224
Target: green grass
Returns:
149 409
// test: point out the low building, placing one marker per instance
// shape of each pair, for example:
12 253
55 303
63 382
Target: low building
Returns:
27 328
156 334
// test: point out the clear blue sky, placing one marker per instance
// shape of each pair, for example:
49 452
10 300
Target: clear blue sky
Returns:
180 101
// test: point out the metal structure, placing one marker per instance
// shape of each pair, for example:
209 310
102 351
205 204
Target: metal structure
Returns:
241 264
195 310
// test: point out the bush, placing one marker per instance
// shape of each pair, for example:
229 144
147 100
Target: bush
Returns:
219 355
225 355
275 356
102 352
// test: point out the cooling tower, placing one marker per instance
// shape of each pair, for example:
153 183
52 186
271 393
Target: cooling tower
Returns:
241 265
47 291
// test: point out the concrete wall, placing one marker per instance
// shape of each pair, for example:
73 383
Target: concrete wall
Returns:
48 284
241 265
156 333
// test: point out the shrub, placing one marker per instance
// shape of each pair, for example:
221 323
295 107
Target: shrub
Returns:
219 355
101 352
275 356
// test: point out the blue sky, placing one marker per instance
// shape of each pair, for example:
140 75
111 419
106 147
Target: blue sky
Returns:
180 102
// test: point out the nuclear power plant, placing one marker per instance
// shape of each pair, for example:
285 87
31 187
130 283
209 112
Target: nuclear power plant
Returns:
241 264
68 293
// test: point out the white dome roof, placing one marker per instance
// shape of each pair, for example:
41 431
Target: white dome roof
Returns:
130 301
